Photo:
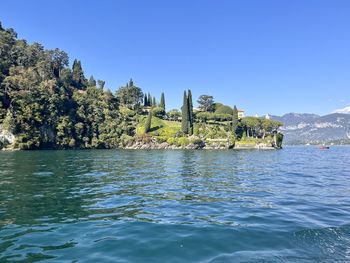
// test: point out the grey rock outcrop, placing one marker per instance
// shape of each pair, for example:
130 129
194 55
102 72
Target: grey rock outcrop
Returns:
6 138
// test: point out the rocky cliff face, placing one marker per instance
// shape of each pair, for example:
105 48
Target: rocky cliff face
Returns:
6 139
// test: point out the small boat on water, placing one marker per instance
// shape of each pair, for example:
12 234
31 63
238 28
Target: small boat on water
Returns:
323 147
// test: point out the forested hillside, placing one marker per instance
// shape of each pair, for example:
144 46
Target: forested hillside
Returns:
46 104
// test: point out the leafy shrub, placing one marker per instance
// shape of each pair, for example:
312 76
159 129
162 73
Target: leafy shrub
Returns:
202 116
161 139
220 117
183 141
174 114
126 139
179 134
72 143
279 139
127 112
171 141
197 141
158 112
209 116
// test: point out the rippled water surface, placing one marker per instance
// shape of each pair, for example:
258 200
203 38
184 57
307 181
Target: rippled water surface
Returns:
291 205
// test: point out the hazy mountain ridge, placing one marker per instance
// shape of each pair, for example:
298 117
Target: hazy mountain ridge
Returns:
303 128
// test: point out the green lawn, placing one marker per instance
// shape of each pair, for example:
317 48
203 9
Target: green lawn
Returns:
159 127
165 128
252 141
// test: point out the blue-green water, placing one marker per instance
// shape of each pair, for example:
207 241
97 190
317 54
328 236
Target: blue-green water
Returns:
291 205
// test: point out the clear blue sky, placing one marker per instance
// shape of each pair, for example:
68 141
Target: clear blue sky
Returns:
265 56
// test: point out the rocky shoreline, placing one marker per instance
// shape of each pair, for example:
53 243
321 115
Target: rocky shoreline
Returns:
153 145
166 146
7 142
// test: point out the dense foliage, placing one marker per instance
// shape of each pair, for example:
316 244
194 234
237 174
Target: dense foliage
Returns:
48 105
174 115
130 96
222 109
206 103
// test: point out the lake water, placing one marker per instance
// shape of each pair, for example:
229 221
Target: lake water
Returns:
290 205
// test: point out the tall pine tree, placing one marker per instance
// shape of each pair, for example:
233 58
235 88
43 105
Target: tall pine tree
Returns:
148 122
149 100
185 115
234 120
145 101
190 112
154 102
162 101
92 82
78 77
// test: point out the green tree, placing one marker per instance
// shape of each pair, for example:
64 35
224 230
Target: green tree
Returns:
154 102
174 114
92 82
145 101
158 112
223 109
149 99
79 80
162 101
101 83
203 116
234 119
148 122
66 78
59 60
252 125
185 115
190 112
206 103
130 95
269 126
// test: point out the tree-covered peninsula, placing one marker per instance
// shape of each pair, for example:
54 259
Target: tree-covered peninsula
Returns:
45 104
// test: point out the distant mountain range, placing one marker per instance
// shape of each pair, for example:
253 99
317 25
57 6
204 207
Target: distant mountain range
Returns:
304 128
345 110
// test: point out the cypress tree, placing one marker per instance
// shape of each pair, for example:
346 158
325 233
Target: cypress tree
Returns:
148 122
145 101
154 102
185 115
234 119
190 112
101 83
162 101
78 77
92 82
149 100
